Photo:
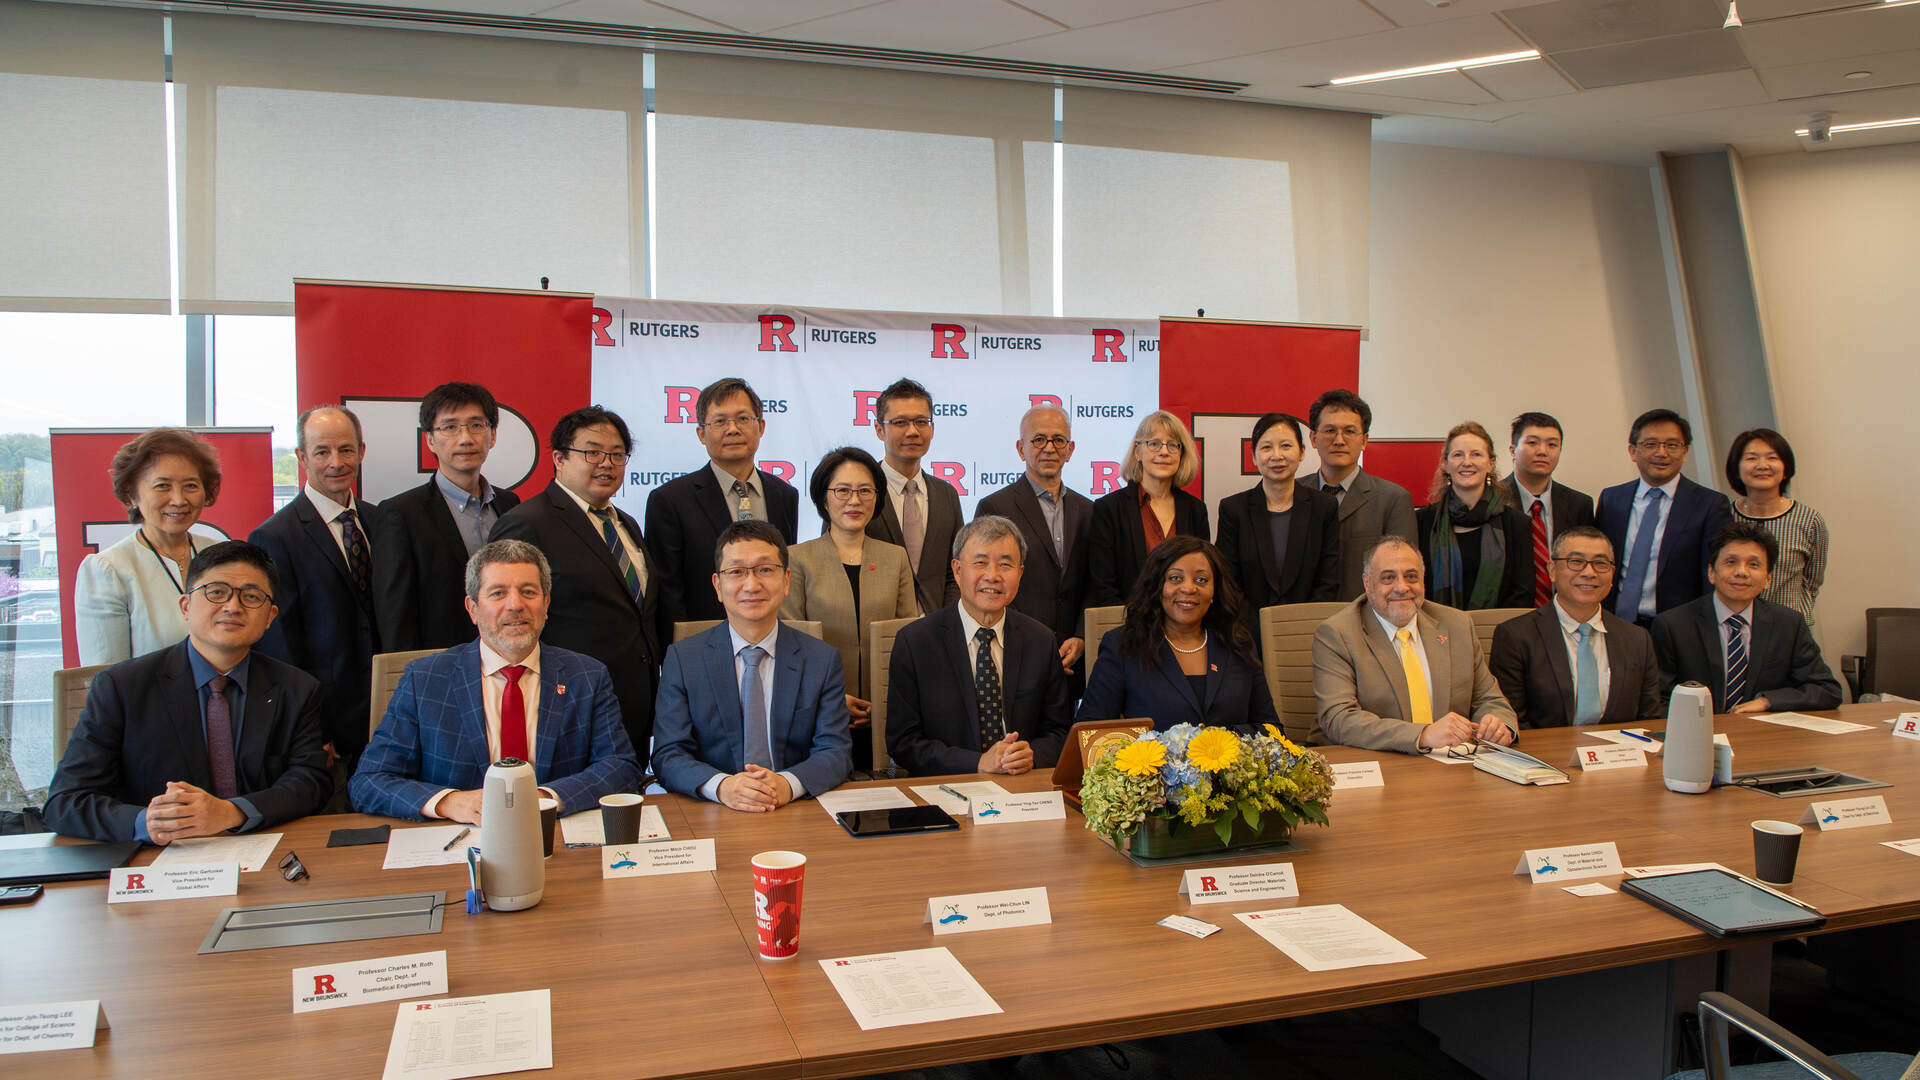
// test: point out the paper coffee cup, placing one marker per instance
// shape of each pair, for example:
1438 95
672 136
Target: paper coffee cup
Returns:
1776 848
620 818
549 813
777 880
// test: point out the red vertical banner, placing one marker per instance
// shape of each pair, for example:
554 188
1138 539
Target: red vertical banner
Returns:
379 348
88 518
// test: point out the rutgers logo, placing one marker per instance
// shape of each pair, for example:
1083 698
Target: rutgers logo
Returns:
323 984
952 472
947 339
1106 478
776 333
1034 401
1106 347
1593 757
136 881
864 403
1208 884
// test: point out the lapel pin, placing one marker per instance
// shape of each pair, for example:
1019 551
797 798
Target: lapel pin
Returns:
561 689
1440 639
1215 668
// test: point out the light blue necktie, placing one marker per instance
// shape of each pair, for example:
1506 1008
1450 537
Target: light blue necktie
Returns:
1736 661
753 706
1635 583
1587 705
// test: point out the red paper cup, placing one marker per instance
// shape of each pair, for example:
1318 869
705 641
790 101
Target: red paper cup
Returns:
777 878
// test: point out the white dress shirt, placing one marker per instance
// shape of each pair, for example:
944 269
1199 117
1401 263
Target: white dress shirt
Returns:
969 627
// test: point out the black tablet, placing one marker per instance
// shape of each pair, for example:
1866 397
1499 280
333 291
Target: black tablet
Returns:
897 819
1724 904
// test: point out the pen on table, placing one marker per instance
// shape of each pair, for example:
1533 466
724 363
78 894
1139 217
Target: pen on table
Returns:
1634 735
457 837
955 794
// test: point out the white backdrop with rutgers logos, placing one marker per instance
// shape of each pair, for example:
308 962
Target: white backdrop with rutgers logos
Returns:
820 370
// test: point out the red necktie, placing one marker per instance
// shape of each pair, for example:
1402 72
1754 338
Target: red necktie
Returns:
513 716
1542 582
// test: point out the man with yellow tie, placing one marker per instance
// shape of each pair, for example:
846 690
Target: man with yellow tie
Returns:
1393 672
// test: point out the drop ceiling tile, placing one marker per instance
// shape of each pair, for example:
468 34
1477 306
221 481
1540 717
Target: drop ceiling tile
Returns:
761 16
612 12
949 26
1416 12
1702 53
1613 144
1524 81
1447 86
1095 12
1829 37
1642 101
1193 35
1775 117
1385 105
1830 76
1407 47
1776 9
1584 24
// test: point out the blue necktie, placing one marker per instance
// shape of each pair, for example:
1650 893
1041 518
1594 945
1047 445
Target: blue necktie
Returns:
753 707
1635 583
1736 661
1587 705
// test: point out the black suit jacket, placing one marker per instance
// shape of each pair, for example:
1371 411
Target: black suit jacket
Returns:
933 714
141 728
1516 577
1118 547
326 628
1783 662
1570 507
684 518
420 576
933 584
1529 658
1236 695
1310 568
1050 592
1696 514
591 611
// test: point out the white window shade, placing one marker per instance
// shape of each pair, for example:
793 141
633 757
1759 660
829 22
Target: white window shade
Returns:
1249 211
370 154
83 127
850 187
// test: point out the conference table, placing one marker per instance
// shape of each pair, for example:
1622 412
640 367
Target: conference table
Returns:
659 976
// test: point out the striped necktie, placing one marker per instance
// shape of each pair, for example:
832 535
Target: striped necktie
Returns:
627 572
1542 581
1736 661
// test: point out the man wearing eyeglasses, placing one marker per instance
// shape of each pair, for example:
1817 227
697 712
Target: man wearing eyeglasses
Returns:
605 599
426 534
1573 662
920 513
1660 523
1056 521
321 550
200 738
753 713
685 515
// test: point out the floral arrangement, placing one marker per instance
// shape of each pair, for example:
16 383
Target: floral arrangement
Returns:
1205 776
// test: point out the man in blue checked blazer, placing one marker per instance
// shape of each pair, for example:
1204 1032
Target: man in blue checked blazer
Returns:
502 696
751 713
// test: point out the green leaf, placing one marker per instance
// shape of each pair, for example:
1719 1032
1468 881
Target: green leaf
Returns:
1224 829
1250 812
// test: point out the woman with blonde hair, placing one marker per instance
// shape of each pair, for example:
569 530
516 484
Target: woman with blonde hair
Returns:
1477 547
126 598
1129 523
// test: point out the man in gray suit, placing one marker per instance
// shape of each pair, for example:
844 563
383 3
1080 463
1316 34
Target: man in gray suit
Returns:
917 511
1370 508
1393 672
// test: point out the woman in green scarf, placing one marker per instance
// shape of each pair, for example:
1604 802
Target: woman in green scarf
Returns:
1478 549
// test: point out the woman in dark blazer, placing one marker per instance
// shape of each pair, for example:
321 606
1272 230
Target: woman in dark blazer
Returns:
1183 656
1281 541
1477 547
1129 522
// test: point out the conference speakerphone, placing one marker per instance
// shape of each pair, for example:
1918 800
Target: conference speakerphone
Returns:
272 926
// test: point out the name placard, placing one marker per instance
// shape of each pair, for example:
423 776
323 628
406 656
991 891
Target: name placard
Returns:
1907 726
138 884
970 912
1188 925
659 857
1542 865
1003 809
1220 884
55 1025
1602 758
1357 774
1848 813
359 982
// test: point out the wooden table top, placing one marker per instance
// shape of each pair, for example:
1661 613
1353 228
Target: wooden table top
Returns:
1428 858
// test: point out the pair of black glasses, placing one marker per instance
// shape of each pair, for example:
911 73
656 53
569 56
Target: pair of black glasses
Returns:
293 869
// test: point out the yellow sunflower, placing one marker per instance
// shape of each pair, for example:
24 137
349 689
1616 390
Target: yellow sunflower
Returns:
1213 749
1142 758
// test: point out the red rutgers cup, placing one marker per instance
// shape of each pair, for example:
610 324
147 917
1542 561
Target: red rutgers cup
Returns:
777 878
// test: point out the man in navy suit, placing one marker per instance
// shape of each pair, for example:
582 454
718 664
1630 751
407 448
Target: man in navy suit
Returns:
319 544
1754 655
426 534
752 714
1660 523
606 588
503 696
685 515
201 738
977 686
